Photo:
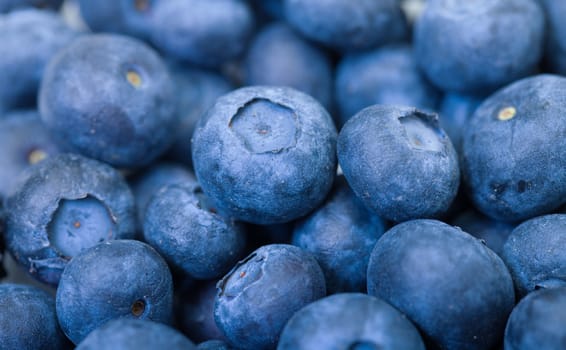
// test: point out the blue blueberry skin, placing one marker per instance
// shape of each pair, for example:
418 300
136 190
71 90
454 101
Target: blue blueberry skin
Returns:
114 279
537 322
479 46
135 334
513 156
128 17
493 233
152 179
196 91
456 290
341 235
62 206
454 113
265 155
279 56
30 38
195 312
205 33
555 50
214 345
348 25
188 232
399 162
28 320
123 109
263 291
350 321
24 141
2 244
535 253
388 75
11 5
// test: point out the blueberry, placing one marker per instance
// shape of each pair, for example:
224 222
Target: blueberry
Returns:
129 17
478 46
537 322
11 5
28 319
262 292
151 180
387 75
399 162
341 235
30 38
188 232
122 111
513 150
196 91
135 334
214 345
455 111
265 155
348 25
350 321
196 312
64 205
535 253
206 33
279 56
114 279
456 290
24 141
493 233
2 244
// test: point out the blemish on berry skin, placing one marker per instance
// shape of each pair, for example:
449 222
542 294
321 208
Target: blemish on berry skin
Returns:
242 274
522 186
77 224
507 113
134 78
36 156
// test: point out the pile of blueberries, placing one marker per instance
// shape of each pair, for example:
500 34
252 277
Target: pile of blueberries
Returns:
283 174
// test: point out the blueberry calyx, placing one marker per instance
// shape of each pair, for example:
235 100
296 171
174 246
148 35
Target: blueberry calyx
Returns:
265 126
423 132
244 274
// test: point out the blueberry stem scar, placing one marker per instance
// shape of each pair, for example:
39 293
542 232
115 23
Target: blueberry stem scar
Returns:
134 78
138 308
36 156
507 113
